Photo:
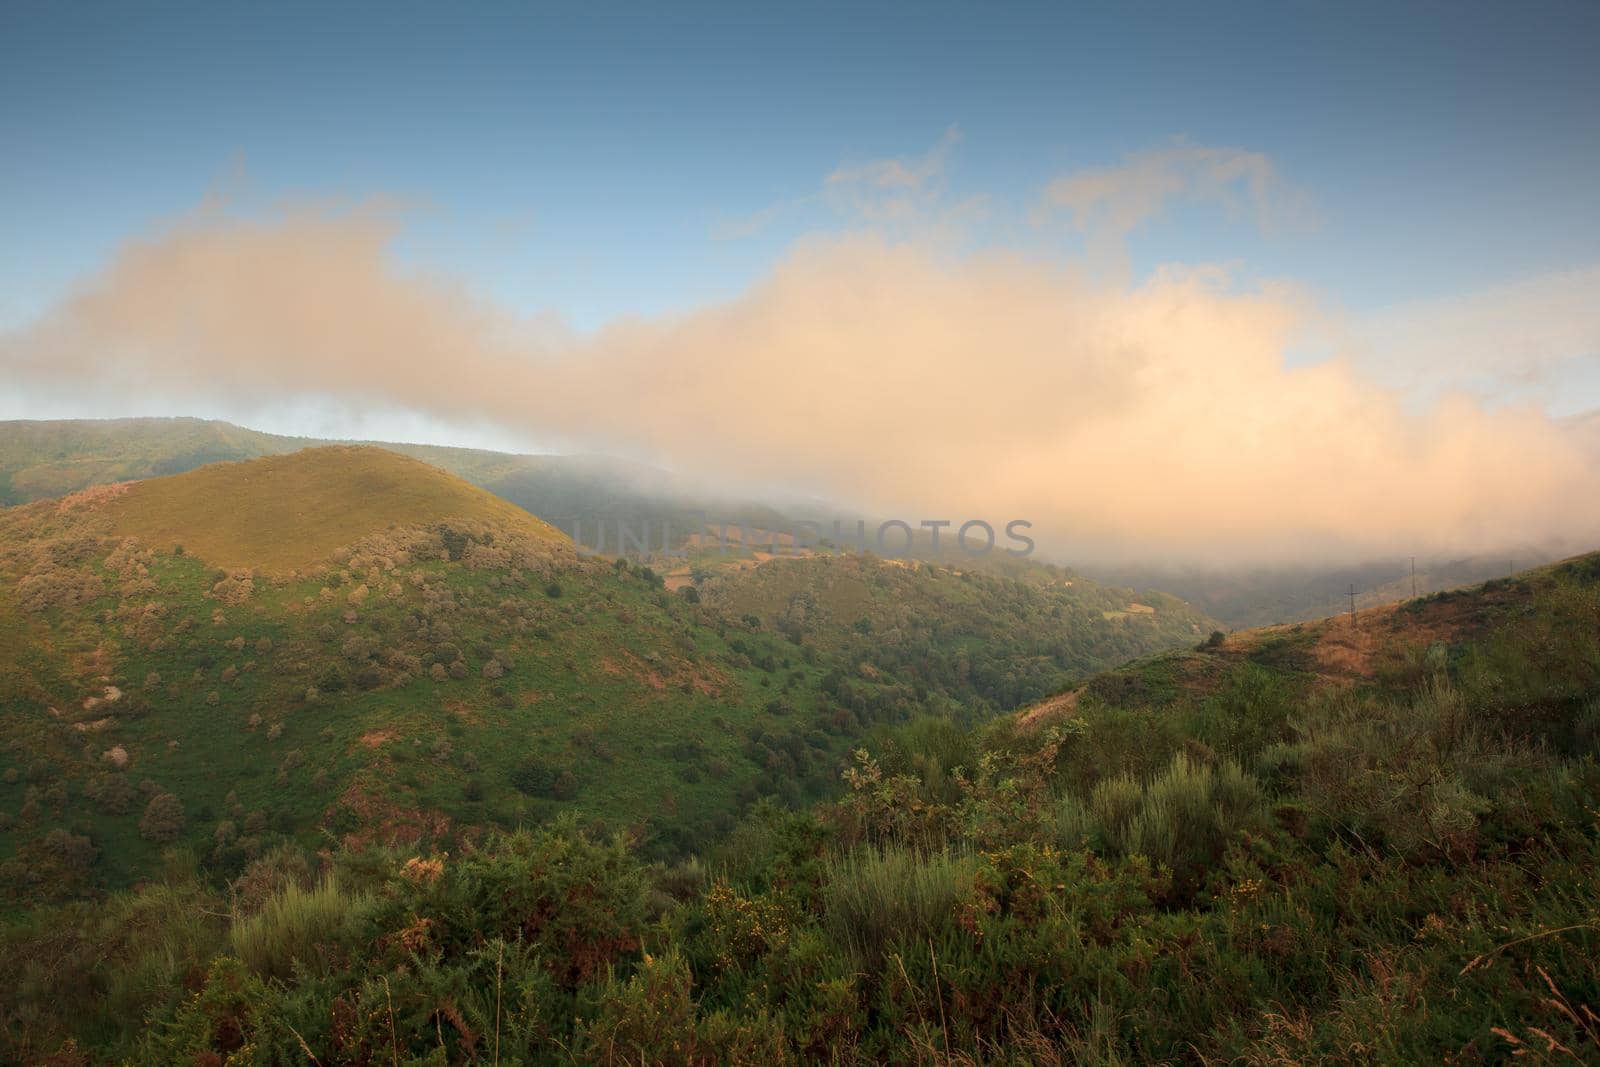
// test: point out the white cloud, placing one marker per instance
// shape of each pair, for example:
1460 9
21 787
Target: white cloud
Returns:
901 193
1156 420
1523 336
1107 204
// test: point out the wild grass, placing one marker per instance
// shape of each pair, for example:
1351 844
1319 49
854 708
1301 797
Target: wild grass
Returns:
875 898
1182 817
299 930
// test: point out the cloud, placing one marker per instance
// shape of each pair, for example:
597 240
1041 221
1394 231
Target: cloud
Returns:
892 190
1158 420
1110 203
1522 335
901 193
756 222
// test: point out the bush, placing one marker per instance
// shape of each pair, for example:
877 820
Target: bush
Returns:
300 930
111 792
539 780
163 819
1183 817
74 852
873 899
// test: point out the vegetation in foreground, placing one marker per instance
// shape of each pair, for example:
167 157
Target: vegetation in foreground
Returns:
1298 846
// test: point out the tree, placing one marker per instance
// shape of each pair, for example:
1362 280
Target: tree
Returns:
163 819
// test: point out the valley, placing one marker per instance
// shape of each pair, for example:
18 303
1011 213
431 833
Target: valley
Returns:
685 535
343 645
423 782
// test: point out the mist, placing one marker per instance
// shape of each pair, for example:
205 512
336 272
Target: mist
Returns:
1154 419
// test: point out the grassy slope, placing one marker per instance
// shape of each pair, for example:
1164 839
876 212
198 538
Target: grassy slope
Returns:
1374 647
638 696
1249 691
281 513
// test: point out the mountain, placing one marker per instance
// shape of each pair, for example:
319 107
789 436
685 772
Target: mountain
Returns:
1368 839
52 458
1249 597
46 459
40 459
345 643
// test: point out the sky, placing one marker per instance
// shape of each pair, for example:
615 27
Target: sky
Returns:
1403 195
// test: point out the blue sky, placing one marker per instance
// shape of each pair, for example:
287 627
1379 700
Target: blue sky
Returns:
997 259
584 158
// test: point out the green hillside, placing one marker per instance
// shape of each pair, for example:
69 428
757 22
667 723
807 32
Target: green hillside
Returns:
346 644
42 459
374 736
1368 840
982 637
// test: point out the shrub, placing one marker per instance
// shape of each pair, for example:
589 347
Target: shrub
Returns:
540 780
74 852
874 898
111 792
580 903
163 819
282 868
1183 817
299 929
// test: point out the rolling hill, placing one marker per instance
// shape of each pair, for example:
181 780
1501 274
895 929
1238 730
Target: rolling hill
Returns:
1247 597
50 458
345 642
281 513
41 459
1368 840
942 624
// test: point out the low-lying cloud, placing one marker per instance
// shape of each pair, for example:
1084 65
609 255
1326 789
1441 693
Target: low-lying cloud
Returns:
1154 421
